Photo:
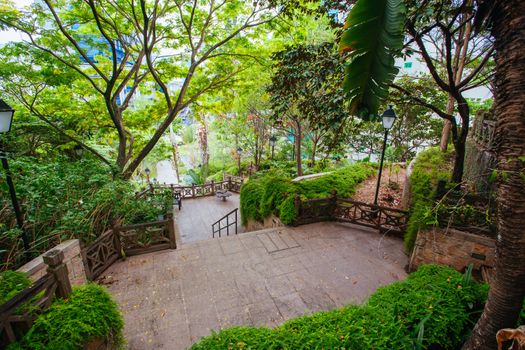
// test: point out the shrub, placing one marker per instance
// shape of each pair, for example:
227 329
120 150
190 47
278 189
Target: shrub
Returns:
11 283
268 194
433 309
88 314
430 166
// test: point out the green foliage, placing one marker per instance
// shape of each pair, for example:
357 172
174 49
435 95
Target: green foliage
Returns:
63 199
373 36
430 166
89 313
274 194
434 308
11 283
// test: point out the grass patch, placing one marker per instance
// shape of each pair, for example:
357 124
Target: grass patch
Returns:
11 283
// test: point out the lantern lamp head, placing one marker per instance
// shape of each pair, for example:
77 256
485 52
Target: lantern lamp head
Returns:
388 118
6 117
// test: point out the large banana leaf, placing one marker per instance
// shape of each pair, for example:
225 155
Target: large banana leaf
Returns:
373 36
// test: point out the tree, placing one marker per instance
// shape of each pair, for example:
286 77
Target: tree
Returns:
374 37
305 91
507 290
130 37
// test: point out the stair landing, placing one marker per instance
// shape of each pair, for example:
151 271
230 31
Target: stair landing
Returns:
172 298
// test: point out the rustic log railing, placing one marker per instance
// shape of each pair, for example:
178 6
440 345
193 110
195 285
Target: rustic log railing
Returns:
122 241
347 210
220 224
19 313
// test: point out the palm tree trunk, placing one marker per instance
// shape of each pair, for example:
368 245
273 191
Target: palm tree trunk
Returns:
508 287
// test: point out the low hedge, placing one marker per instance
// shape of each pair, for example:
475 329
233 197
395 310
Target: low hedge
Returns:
430 167
433 309
271 194
88 314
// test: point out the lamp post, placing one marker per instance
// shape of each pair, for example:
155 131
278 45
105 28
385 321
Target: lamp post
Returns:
239 152
388 118
6 119
147 172
79 151
273 140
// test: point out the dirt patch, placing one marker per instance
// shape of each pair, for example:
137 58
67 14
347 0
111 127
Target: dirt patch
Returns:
391 189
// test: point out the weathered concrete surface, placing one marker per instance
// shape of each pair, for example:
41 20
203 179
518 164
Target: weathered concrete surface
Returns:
193 222
172 298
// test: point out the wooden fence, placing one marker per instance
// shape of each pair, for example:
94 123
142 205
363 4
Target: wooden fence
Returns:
122 241
346 210
19 313
232 184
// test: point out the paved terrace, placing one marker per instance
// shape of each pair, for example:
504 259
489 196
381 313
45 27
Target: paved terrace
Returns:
193 222
172 298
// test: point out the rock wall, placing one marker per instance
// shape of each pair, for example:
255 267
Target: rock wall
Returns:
451 247
36 268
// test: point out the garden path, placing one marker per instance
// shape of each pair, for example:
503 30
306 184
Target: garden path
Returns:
172 298
193 222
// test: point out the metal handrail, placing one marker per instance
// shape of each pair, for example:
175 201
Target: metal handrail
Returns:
219 229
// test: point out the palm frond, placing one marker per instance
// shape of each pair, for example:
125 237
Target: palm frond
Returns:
374 35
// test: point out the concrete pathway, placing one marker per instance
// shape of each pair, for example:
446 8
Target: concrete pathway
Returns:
193 222
172 298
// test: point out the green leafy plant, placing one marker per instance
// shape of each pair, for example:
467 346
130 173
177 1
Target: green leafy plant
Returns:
11 283
430 167
373 36
88 314
274 194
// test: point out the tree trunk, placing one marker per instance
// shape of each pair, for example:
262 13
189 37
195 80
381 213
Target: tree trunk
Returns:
203 142
508 287
298 136
445 134
314 150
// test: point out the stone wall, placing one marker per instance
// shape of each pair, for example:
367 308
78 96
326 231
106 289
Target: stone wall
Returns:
36 268
451 247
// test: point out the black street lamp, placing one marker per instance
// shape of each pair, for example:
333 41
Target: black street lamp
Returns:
79 150
239 152
273 140
6 119
147 172
388 118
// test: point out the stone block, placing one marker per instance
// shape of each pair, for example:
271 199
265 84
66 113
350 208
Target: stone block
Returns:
453 248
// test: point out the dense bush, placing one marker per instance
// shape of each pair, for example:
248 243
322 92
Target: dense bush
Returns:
12 282
63 200
433 309
274 194
430 167
88 314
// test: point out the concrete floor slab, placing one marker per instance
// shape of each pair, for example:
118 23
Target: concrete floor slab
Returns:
172 298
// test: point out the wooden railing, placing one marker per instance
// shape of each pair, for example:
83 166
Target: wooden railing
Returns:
347 210
19 313
231 220
128 240
194 191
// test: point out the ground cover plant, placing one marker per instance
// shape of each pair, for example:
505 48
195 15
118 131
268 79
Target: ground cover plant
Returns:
88 314
11 283
430 167
434 308
274 194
